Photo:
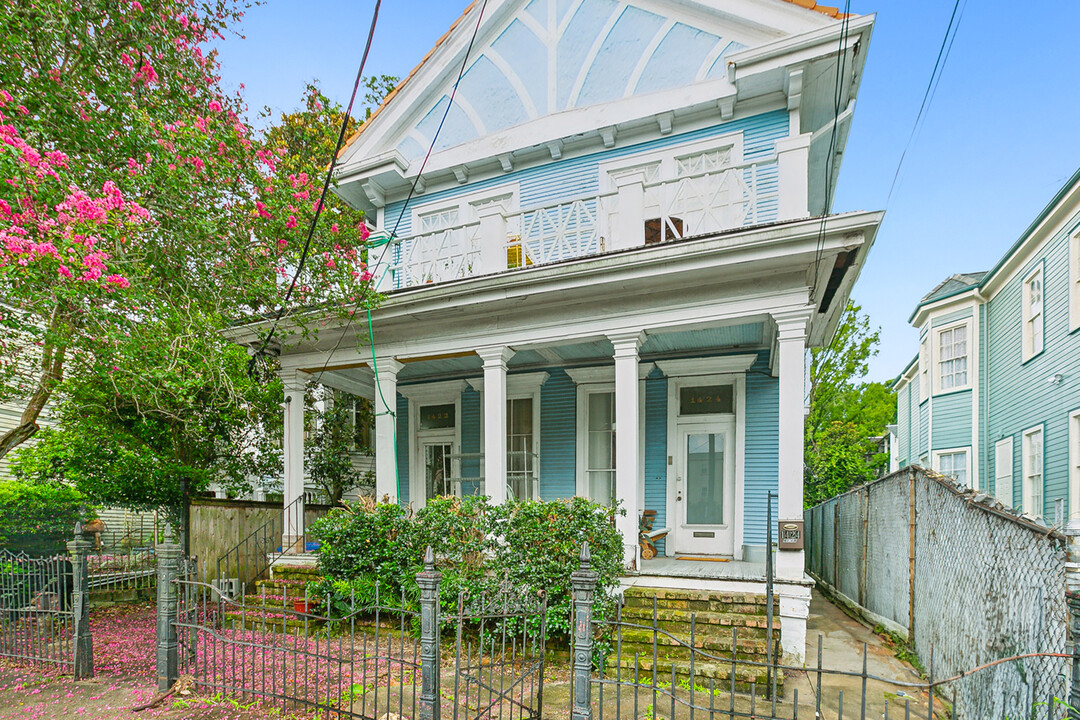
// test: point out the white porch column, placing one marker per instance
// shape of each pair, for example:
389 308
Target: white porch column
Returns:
627 434
293 526
386 479
492 238
629 230
791 361
793 167
495 359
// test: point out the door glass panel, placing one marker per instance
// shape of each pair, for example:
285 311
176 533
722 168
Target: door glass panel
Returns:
705 479
437 469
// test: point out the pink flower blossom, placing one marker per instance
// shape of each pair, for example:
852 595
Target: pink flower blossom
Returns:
260 208
118 280
126 61
146 73
214 106
291 222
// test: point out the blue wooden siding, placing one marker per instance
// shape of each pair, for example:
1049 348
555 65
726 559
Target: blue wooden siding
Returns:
903 422
403 446
1018 395
952 317
952 420
656 450
470 439
761 463
572 178
558 437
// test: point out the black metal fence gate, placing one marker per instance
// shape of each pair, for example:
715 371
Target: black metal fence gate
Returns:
344 658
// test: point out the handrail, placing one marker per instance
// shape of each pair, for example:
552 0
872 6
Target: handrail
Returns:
260 543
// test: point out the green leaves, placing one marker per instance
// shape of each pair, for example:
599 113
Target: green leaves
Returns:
38 518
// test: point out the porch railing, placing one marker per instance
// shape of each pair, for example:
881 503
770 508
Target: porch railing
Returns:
693 203
251 557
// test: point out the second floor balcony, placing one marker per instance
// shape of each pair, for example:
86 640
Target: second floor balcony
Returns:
700 195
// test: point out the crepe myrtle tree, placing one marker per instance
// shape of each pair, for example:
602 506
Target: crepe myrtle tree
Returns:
139 215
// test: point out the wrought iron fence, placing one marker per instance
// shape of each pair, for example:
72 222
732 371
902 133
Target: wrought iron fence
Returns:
121 574
346 658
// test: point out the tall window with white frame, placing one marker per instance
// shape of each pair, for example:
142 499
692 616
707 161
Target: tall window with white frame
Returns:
1033 315
1074 281
600 452
1074 465
520 454
954 465
952 360
924 369
1033 472
1003 469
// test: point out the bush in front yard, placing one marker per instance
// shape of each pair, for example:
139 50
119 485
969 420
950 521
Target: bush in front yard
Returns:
39 518
528 546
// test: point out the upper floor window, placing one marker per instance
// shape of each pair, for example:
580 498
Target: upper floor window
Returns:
1033 472
1074 465
954 464
1033 315
924 369
952 359
1003 468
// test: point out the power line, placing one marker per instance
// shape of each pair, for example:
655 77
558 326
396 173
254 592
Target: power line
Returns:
346 116
931 85
401 215
841 66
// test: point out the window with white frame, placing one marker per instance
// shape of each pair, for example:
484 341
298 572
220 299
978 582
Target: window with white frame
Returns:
520 448
1003 468
1074 281
953 463
1033 472
924 369
600 445
952 357
1033 314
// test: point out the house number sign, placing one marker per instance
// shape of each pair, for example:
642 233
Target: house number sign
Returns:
709 400
791 535
435 417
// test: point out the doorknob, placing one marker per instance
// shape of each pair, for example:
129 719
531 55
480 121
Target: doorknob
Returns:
678 489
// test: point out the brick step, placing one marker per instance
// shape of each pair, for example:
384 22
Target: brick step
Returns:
278 587
643 639
307 573
271 621
682 652
708 622
646 594
718 673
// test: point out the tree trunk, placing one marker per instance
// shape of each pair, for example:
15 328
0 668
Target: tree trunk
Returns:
52 371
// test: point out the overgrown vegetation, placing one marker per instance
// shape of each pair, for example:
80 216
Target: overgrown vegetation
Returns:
528 547
39 518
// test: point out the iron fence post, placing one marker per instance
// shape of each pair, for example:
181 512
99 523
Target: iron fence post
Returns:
429 580
1073 600
170 557
82 642
583 582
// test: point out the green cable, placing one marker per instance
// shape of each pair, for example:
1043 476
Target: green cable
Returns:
391 413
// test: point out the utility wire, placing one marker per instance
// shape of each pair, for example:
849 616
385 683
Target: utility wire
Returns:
841 66
401 215
931 85
346 116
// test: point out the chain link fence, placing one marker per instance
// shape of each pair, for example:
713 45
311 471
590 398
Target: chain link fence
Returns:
966 580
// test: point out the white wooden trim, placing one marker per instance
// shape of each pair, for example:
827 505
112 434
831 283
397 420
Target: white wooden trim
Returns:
1025 455
431 392
1074 465
518 385
1074 283
706 366
440 393
665 158
587 375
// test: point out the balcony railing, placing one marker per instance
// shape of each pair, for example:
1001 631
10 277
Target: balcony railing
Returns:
639 213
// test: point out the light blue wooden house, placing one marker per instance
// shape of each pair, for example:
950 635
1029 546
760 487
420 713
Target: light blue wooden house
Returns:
610 270
993 396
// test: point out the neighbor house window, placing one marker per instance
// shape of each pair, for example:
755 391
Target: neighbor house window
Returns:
953 463
1033 472
1074 465
1033 314
952 357
520 448
1003 468
600 450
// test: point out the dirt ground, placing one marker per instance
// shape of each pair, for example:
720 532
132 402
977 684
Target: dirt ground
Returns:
124 661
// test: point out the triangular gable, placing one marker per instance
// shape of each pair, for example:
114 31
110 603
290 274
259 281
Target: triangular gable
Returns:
537 58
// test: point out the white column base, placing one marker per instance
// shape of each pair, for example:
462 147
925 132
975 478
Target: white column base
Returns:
794 610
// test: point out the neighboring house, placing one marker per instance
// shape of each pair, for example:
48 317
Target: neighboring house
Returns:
11 418
993 396
607 279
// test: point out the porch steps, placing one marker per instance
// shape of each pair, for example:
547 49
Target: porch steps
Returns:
714 616
271 606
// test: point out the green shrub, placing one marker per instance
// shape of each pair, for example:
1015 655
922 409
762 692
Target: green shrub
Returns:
530 547
39 518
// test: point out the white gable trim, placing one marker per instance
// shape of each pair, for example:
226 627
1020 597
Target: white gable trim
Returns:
706 366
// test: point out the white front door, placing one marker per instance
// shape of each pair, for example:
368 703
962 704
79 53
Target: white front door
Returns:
705 489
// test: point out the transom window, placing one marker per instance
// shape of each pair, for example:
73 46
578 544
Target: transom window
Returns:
439 220
1033 314
953 357
1033 472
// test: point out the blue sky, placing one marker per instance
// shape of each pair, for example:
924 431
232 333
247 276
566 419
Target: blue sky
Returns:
1002 134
